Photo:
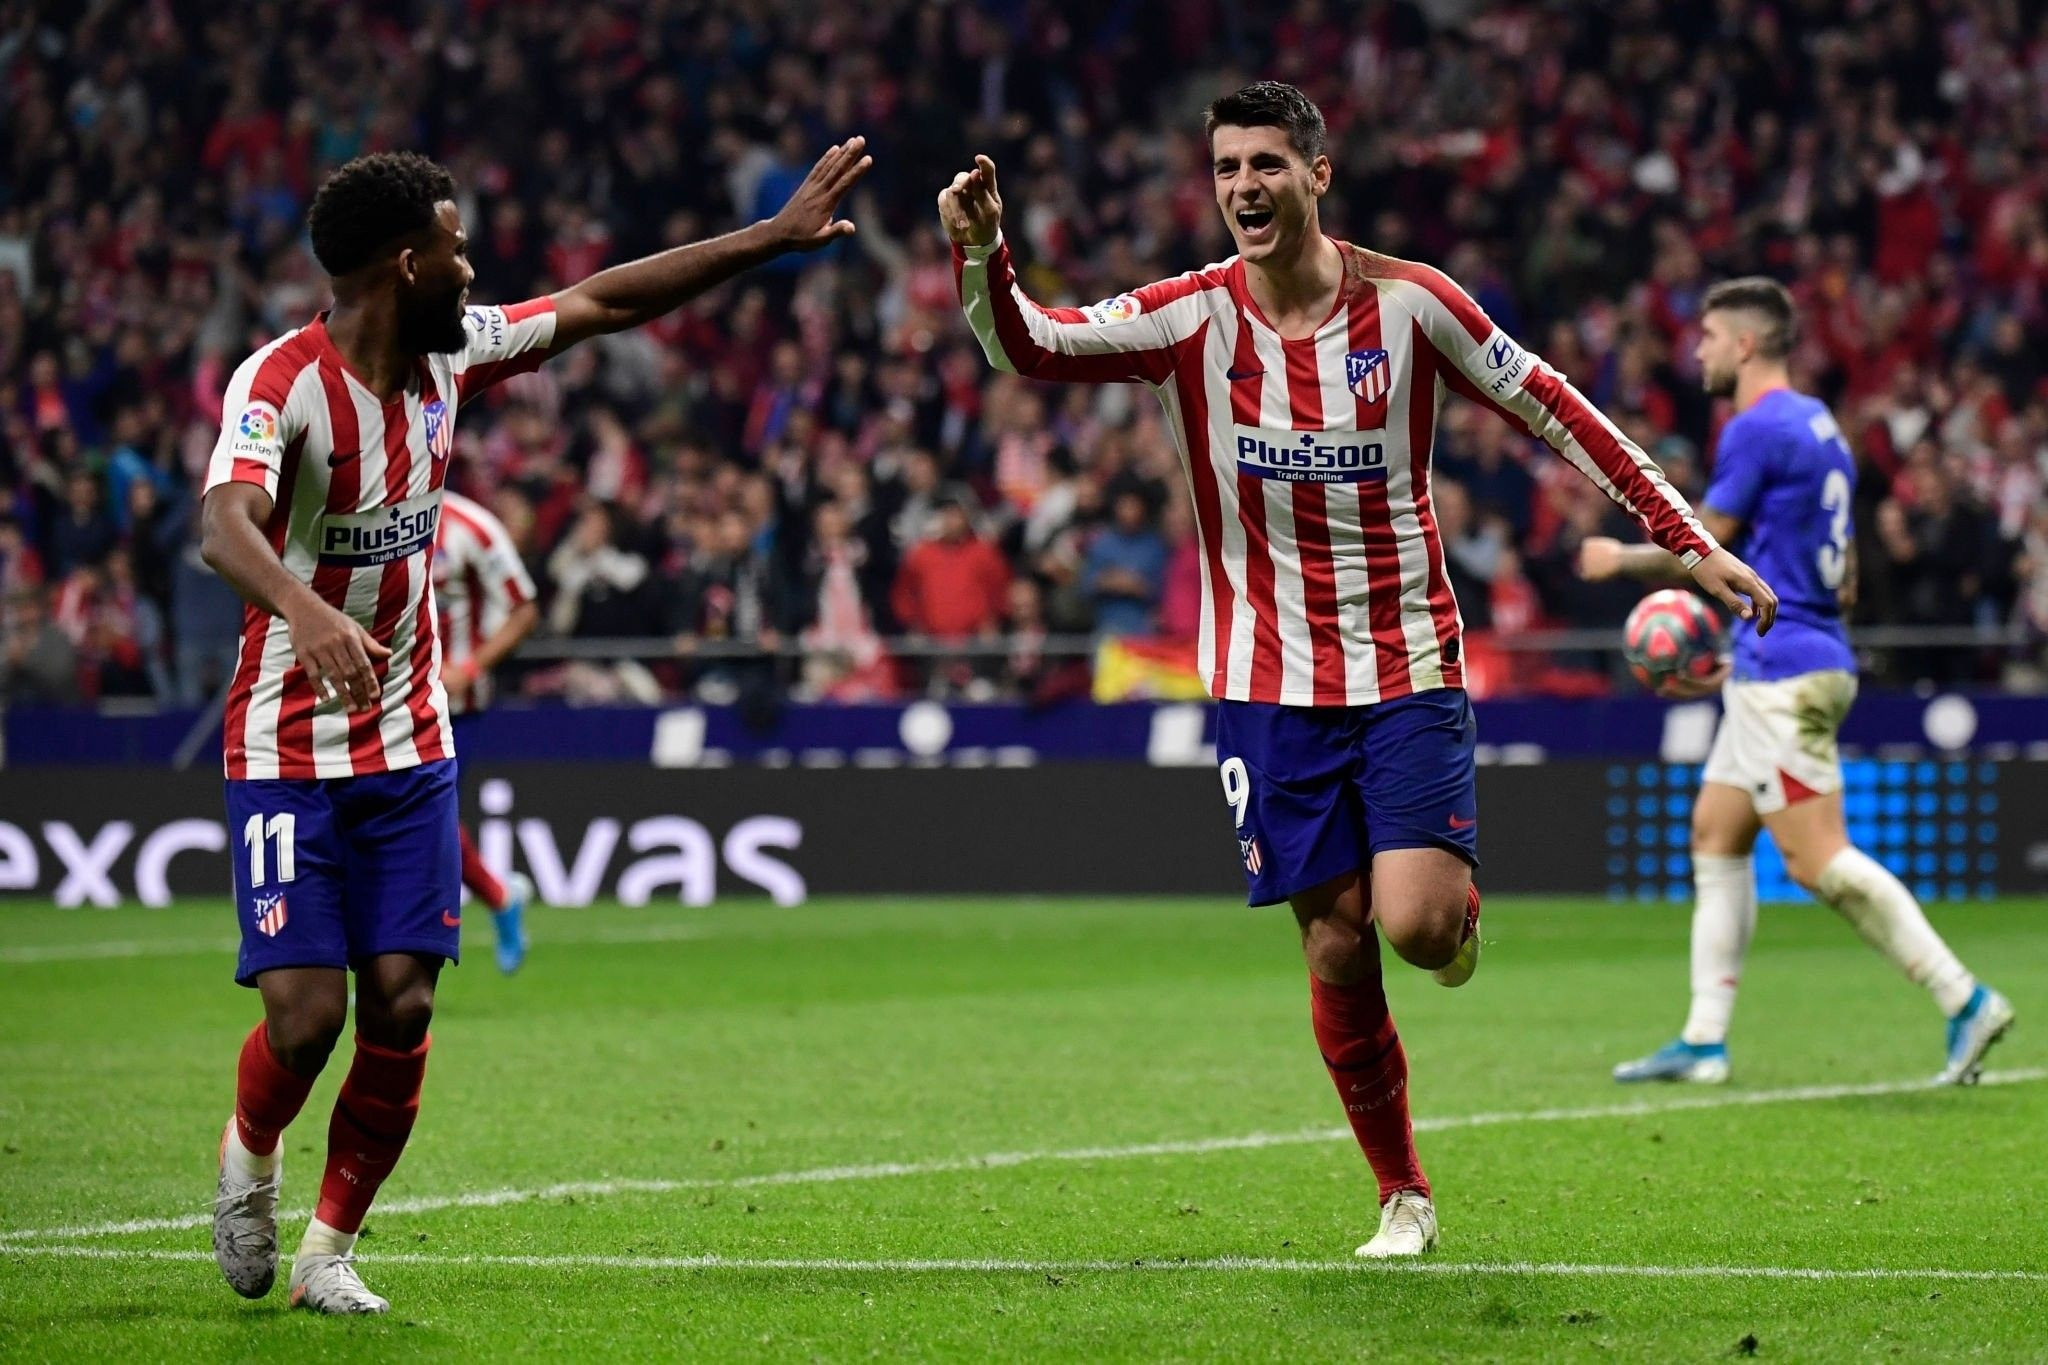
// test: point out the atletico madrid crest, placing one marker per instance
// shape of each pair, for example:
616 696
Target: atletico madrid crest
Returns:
270 914
1365 374
1248 848
440 431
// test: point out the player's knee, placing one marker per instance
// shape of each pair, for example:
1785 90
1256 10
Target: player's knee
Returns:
303 1034
398 1016
1802 868
1429 940
1712 837
1335 950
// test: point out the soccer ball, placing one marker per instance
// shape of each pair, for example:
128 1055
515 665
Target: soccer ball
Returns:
1672 634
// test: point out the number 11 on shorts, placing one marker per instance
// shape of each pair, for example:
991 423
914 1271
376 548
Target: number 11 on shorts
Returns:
282 829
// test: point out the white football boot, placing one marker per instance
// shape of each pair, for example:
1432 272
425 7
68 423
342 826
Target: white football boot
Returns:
330 1284
1407 1227
245 1224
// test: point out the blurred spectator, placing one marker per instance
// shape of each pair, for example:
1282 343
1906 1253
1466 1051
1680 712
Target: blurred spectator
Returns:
21 569
843 657
38 663
1180 597
598 586
953 585
1471 553
1946 565
206 625
1126 568
128 465
735 591
151 535
115 630
2033 569
84 532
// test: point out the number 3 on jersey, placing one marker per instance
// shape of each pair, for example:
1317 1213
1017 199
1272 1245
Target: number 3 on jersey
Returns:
1833 557
281 828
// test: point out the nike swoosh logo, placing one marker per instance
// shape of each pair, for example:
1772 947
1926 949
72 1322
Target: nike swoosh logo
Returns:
452 921
341 457
1456 823
1235 376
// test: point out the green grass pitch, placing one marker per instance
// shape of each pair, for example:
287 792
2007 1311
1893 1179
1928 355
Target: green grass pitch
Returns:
1032 1130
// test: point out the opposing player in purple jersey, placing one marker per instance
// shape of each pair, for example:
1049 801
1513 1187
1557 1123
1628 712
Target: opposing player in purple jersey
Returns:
1783 484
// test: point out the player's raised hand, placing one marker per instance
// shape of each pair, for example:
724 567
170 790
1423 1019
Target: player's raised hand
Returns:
338 656
970 207
1737 587
806 222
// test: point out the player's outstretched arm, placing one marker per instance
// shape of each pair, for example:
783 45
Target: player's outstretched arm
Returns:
1488 366
1603 557
637 292
1733 583
337 654
1127 339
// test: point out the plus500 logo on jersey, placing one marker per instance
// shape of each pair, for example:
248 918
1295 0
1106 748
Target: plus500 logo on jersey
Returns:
1310 456
379 537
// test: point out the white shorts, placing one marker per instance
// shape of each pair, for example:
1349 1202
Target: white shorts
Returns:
1777 739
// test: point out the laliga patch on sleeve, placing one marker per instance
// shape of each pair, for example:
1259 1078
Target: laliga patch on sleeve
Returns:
1122 308
255 431
1506 363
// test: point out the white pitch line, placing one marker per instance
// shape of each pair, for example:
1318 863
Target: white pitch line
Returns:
195 947
1004 1266
93 952
643 933
825 1175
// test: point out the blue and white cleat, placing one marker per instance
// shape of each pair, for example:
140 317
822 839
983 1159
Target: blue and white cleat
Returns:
1678 1060
1971 1033
510 923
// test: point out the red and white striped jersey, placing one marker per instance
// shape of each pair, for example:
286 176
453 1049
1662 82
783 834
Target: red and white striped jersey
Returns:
478 580
1323 579
355 485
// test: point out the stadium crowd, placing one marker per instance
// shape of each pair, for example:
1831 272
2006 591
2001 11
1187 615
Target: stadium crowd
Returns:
817 459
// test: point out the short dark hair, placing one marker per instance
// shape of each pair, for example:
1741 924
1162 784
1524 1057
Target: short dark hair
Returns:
1272 104
1769 300
372 202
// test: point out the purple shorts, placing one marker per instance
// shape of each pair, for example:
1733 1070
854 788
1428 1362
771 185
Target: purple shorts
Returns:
330 872
1317 790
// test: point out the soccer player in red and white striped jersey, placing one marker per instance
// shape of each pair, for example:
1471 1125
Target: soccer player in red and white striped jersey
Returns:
488 606
1302 379
321 509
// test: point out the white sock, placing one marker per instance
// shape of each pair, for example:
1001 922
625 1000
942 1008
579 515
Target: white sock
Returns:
1866 894
1723 918
321 1240
249 1165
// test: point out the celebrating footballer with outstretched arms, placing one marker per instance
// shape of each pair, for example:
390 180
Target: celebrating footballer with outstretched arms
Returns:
1302 380
322 503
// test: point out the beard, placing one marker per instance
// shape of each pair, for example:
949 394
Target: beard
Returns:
434 326
1718 384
